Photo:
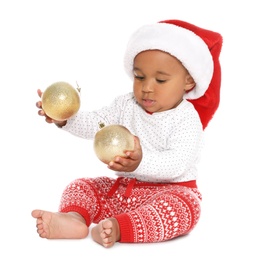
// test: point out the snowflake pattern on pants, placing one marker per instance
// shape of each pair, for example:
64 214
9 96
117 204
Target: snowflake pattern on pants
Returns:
151 213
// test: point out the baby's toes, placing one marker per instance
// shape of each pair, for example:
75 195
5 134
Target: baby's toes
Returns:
108 231
107 241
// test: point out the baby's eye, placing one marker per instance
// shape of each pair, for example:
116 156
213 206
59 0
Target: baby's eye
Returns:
160 80
138 77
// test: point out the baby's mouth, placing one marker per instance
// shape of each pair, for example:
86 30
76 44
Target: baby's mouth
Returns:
148 102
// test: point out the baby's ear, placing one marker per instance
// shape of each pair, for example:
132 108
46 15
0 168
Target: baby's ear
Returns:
189 83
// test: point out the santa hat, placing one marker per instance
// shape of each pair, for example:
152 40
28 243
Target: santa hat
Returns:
198 50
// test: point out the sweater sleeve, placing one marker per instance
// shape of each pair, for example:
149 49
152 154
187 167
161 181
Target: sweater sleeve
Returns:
85 124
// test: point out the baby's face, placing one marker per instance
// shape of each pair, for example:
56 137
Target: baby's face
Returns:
160 81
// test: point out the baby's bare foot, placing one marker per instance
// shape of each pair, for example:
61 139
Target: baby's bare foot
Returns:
60 225
107 232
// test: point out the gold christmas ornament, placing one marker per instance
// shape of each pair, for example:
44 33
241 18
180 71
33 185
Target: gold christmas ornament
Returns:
111 141
60 101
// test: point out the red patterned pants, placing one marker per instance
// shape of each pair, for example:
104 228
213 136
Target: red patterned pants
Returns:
146 212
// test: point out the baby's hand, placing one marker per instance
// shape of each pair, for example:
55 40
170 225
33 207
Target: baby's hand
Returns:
131 160
42 113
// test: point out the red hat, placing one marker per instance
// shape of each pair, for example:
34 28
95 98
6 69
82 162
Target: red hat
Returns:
198 49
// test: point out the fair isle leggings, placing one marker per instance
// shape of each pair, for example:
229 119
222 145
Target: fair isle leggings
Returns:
146 212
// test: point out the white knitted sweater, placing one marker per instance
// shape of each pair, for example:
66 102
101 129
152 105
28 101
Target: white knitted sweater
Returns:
171 140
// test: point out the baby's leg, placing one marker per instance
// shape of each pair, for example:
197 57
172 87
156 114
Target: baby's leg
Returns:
107 232
60 225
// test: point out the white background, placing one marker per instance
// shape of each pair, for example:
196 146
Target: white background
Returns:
46 41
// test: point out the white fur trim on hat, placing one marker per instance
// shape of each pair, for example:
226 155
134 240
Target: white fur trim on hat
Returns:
181 43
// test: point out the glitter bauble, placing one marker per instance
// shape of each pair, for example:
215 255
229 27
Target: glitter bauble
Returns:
111 141
60 101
